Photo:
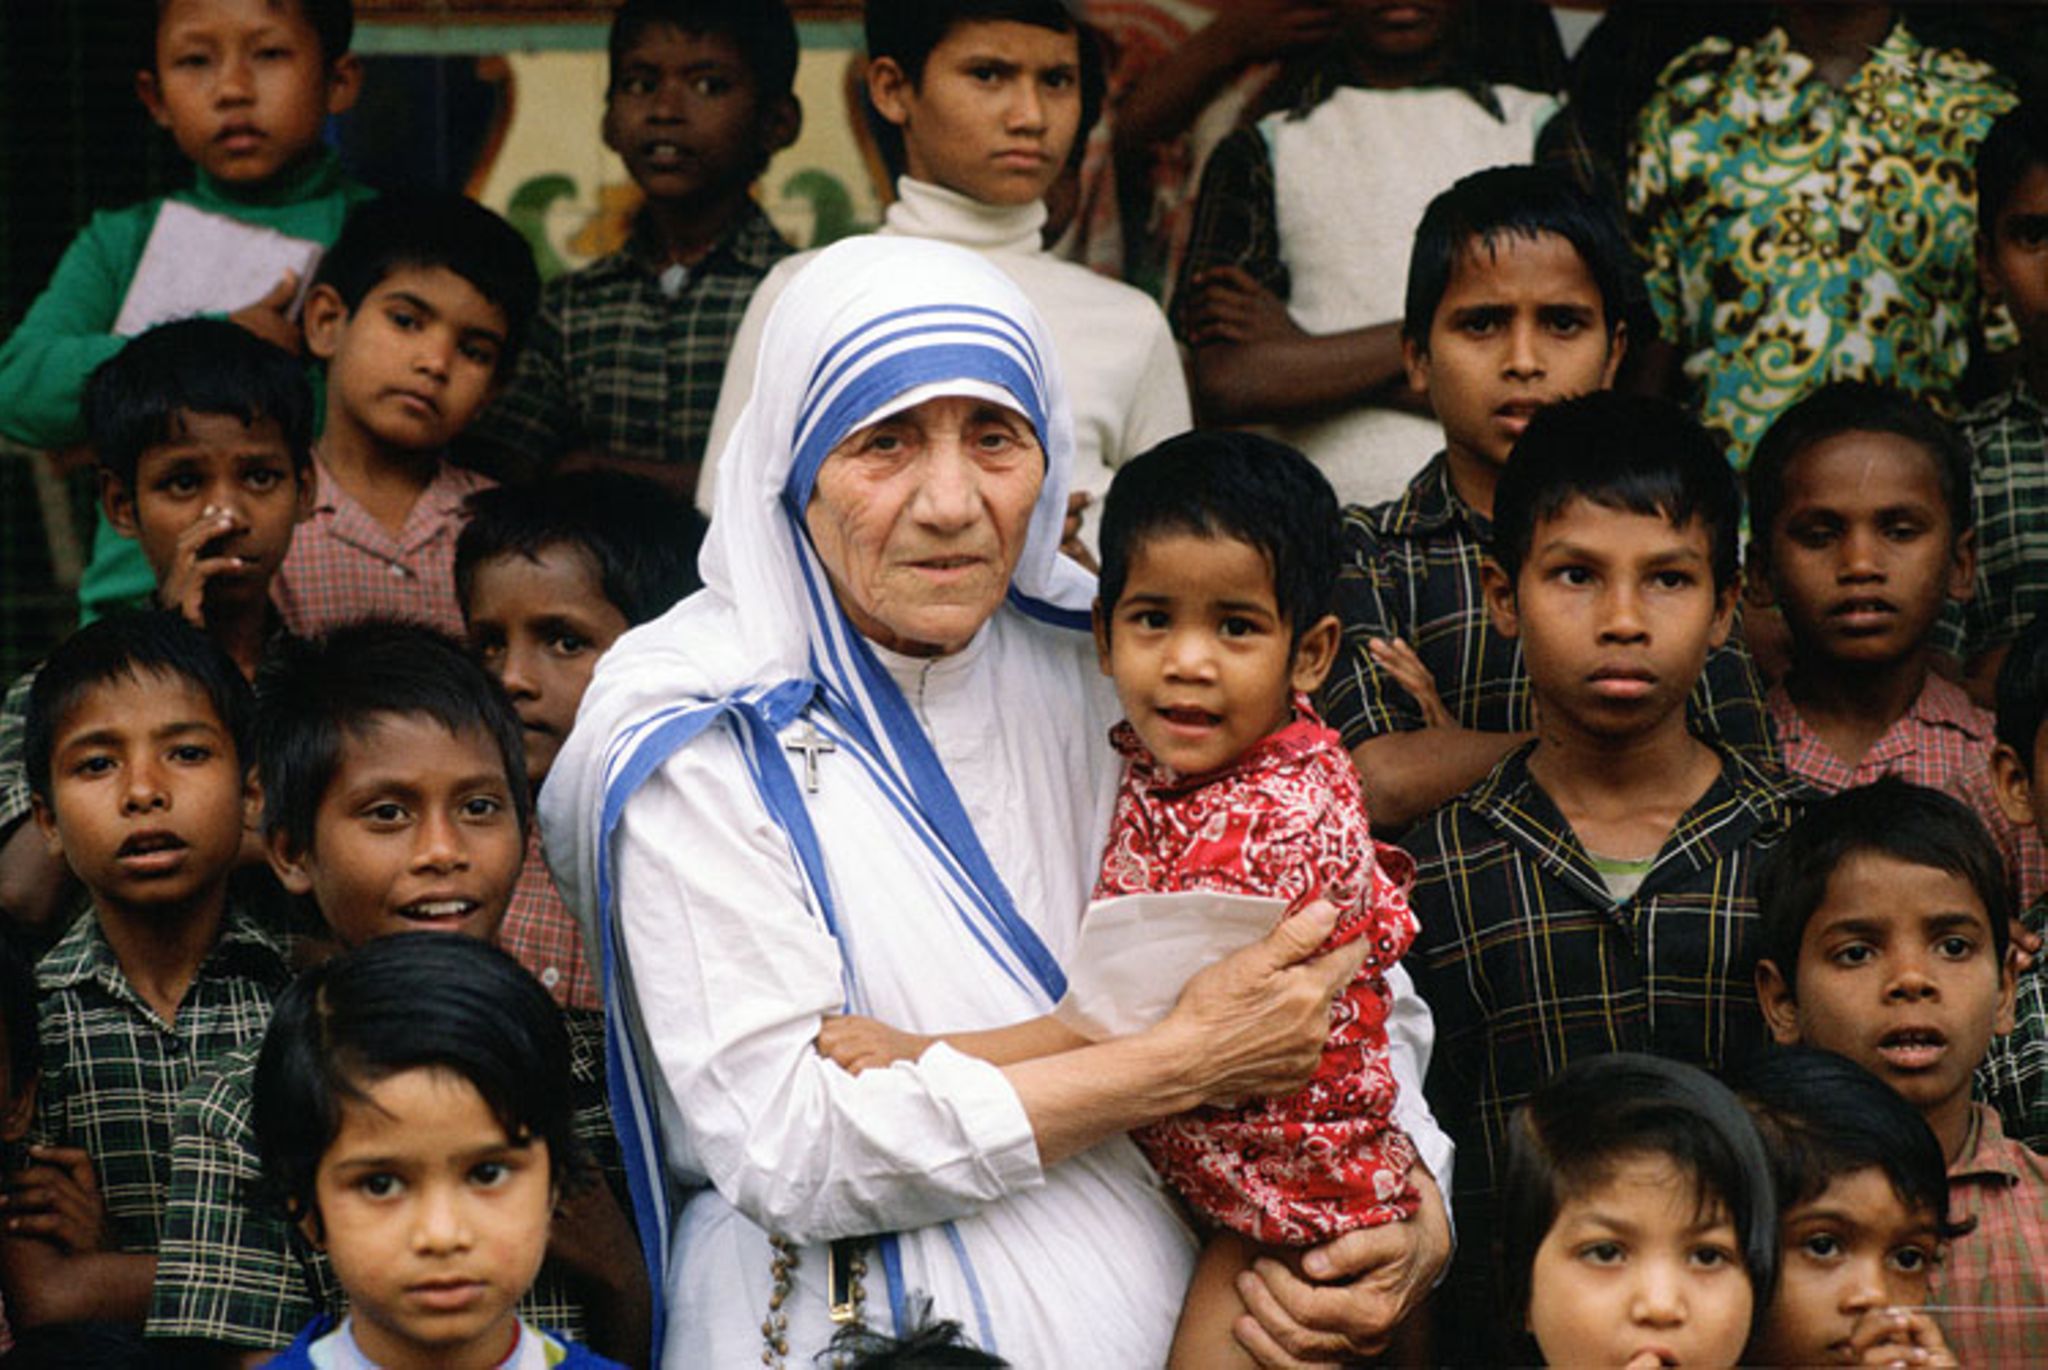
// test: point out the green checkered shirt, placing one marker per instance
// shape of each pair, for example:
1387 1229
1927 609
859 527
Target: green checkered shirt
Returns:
233 1270
2009 493
14 795
614 363
113 1069
2014 1076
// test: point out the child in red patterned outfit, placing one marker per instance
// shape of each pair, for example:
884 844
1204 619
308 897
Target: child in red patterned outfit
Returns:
1219 565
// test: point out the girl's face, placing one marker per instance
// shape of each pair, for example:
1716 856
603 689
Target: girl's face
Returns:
434 1219
1854 1251
1635 1273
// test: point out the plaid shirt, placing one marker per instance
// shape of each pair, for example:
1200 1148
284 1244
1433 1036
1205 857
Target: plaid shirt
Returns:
232 1270
615 362
539 930
1942 741
343 565
113 1068
15 800
2009 492
2014 1076
2002 1264
1411 571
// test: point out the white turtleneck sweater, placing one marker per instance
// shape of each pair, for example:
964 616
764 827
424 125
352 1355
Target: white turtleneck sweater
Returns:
1123 373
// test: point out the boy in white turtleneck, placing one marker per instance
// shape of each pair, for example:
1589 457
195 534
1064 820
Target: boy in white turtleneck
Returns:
980 104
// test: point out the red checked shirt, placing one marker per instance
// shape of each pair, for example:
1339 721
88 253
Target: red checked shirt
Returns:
344 565
1944 742
1990 1292
540 932
1286 820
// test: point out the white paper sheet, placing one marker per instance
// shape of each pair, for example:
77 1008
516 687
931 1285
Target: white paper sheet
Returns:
1138 950
201 263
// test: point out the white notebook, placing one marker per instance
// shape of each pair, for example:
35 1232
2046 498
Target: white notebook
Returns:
201 263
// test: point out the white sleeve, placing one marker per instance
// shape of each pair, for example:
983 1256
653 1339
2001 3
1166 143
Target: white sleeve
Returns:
1411 1036
1160 409
738 385
732 972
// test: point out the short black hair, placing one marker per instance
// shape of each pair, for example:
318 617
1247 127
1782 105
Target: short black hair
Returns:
18 1012
762 31
1604 1110
421 229
1481 209
1856 407
906 31
1888 817
315 695
1625 452
132 646
194 366
2022 692
2016 144
333 22
411 1001
1222 484
641 539
1823 1117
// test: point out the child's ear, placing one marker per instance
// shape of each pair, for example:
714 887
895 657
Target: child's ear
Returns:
344 83
1415 361
1498 588
2013 787
1099 617
1617 349
252 803
325 318
308 1223
781 122
1315 653
1987 279
117 502
46 824
1756 576
890 89
1725 600
308 493
2008 988
1781 1008
288 863
1962 567
147 91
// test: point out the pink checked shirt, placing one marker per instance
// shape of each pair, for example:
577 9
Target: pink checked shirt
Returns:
1943 742
1286 820
1990 1292
540 932
344 565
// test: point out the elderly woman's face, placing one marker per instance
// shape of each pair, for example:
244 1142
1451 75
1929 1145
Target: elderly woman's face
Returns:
920 519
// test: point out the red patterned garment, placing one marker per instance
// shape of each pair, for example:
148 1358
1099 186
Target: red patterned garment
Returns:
1287 821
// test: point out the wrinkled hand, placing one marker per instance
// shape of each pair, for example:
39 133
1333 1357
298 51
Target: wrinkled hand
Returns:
1401 661
184 586
1257 30
270 318
56 1197
1898 1336
1231 307
858 1044
1071 545
1369 1281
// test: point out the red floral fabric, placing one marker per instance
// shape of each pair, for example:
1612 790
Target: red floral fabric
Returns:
1287 820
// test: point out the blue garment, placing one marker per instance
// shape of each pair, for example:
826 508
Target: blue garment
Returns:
299 1355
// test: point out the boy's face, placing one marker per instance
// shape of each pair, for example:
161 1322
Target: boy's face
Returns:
243 86
685 114
1854 1249
1616 612
435 1222
1201 654
1897 971
219 492
2013 258
1402 30
148 798
415 833
540 624
415 361
1863 553
1520 326
995 114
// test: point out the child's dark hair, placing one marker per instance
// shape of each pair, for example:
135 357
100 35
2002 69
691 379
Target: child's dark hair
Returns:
1216 483
906 31
2022 692
926 1344
18 1013
423 229
641 540
1888 817
1604 1110
313 696
1625 452
332 21
761 30
2016 144
132 646
1824 1117
411 1001
133 399
1856 407
1482 209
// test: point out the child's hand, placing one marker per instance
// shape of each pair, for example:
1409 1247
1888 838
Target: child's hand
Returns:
1259 29
1400 661
1898 1336
57 1198
857 1043
1231 307
270 318
184 587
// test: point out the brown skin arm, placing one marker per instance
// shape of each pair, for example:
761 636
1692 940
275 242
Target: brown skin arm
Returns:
1297 374
33 882
45 1287
594 1244
860 1044
1407 775
1980 676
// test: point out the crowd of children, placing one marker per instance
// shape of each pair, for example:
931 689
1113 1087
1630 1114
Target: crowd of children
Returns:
1731 954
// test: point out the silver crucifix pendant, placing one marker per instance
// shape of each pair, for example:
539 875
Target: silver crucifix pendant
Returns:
811 743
